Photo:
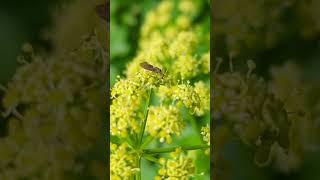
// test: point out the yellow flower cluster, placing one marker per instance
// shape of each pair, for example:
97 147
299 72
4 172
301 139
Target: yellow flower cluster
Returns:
203 91
129 98
243 25
177 58
195 98
183 44
179 167
169 18
205 132
122 162
128 94
163 121
205 65
177 52
176 55
280 126
53 104
182 57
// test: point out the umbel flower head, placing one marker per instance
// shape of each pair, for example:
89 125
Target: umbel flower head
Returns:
265 116
179 166
163 121
205 132
129 94
183 94
172 87
53 108
52 104
243 25
161 85
168 19
122 162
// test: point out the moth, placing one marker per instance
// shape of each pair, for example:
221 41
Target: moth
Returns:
150 67
103 11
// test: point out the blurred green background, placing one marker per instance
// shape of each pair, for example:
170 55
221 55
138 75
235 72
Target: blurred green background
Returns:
21 22
126 19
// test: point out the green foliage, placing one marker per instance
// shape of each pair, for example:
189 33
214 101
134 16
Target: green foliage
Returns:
161 102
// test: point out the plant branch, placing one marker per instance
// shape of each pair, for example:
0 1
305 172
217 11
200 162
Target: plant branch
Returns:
147 141
143 125
171 149
138 174
150 158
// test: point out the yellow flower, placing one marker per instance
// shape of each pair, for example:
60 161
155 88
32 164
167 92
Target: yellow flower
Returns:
122 162
60 107
183 22
194 98
165 7
205 132
186 66
163 122
171 32
177 167
182 57
205 62
183 44
204 94
187 6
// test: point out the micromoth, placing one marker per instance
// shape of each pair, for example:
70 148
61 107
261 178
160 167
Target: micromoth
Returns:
150 67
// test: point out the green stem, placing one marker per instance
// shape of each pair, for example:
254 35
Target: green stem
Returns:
147 141
130 143
171 149
150 158
193 122
141 133
143 126
138 174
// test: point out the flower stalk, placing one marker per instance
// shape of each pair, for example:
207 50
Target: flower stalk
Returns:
143 125
172 149
163 69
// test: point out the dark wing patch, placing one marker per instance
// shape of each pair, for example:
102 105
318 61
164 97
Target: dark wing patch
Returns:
149 67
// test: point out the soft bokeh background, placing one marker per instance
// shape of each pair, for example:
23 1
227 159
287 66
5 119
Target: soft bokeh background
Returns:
126 19
21 22
270 33
52 27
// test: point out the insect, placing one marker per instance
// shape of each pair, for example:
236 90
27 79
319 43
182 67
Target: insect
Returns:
103 11
150 67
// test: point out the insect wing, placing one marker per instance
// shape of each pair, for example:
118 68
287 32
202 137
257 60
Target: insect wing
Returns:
149 67
146 66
